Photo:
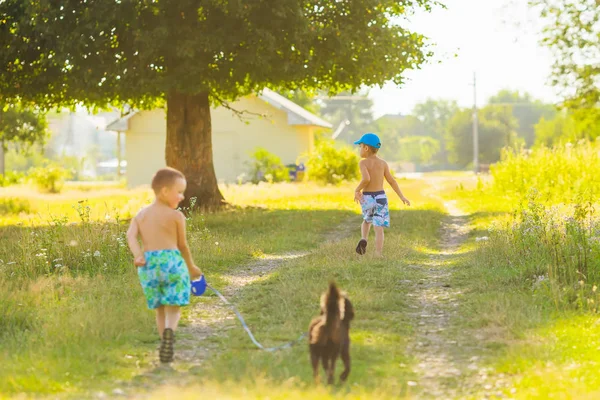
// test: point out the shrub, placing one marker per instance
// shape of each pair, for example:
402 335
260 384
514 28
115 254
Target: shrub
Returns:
329 164
267 167
50 178
11 178
14 206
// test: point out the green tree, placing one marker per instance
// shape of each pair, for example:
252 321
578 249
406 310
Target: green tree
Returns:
418 149
357 109
563 128
572 32
495 132
526 110
189 53
392 129
436 115
21 128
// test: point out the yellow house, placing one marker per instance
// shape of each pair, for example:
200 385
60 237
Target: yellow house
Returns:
287 130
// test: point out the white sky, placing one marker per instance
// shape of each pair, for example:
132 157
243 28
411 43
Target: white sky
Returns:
497 39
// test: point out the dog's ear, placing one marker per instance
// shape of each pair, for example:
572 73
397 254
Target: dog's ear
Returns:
323 303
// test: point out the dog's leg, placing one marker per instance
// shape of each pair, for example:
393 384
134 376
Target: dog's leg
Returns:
346 359
331 371
314 358
326 361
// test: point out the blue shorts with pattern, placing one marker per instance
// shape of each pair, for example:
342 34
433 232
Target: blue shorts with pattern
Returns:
375 208
165 279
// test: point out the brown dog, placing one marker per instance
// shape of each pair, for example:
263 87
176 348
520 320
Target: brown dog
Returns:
329 334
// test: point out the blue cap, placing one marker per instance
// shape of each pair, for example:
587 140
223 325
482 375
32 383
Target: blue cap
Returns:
369 139
199 286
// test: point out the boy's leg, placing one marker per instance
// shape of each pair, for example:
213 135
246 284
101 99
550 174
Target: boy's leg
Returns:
361 248
172 315
378 240
160 320
364 230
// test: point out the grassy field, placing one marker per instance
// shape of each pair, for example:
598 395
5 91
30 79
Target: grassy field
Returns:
527 278
61 274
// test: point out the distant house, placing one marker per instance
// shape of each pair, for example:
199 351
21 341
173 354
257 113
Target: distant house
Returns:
287 131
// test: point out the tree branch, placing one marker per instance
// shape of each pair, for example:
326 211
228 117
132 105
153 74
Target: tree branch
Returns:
241 114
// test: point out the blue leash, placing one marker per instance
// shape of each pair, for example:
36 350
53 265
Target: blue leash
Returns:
260 346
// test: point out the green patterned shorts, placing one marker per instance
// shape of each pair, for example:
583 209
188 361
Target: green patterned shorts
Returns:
165 279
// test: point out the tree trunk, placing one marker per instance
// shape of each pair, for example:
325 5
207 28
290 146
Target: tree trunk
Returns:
2 158
189 147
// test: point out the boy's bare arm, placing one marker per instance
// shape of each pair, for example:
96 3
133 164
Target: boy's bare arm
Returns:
394 185
366 179
134 245
183 247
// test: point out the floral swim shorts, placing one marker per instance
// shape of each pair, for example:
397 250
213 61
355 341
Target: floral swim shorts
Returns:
165 279
375 208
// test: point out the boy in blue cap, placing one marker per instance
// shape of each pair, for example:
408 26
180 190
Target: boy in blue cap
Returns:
370 194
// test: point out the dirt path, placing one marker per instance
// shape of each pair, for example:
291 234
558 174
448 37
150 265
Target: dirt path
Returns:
209 318
435 303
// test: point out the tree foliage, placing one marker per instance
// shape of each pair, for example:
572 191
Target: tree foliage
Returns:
100 51
572 32
435 115
496 130
22 127
189 53
418 149
526 110
357 109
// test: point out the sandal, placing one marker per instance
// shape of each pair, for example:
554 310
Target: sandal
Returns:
362 247
166 346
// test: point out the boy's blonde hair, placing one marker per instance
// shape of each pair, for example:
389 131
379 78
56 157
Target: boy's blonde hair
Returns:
372 149
165 177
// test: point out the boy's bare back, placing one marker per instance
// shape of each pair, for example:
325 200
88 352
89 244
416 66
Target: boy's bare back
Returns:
160 227
377 169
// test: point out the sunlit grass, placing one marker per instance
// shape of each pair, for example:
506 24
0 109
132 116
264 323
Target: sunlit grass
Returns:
66 279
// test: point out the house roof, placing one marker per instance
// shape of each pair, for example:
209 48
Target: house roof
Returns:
296 114
121 124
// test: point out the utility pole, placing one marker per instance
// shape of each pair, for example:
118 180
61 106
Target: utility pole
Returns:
475 127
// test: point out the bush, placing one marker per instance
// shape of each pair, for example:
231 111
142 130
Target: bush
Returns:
329 164
267 167
14 206
50 178
11 178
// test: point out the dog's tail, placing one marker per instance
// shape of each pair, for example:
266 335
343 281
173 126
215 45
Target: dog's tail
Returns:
334 309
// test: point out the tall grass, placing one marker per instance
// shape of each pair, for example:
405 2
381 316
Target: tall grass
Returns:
550 243
559 174
531 283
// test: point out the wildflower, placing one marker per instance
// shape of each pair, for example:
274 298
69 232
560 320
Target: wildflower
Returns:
73 243
97 253
216 243
594 288
482 239
581 283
